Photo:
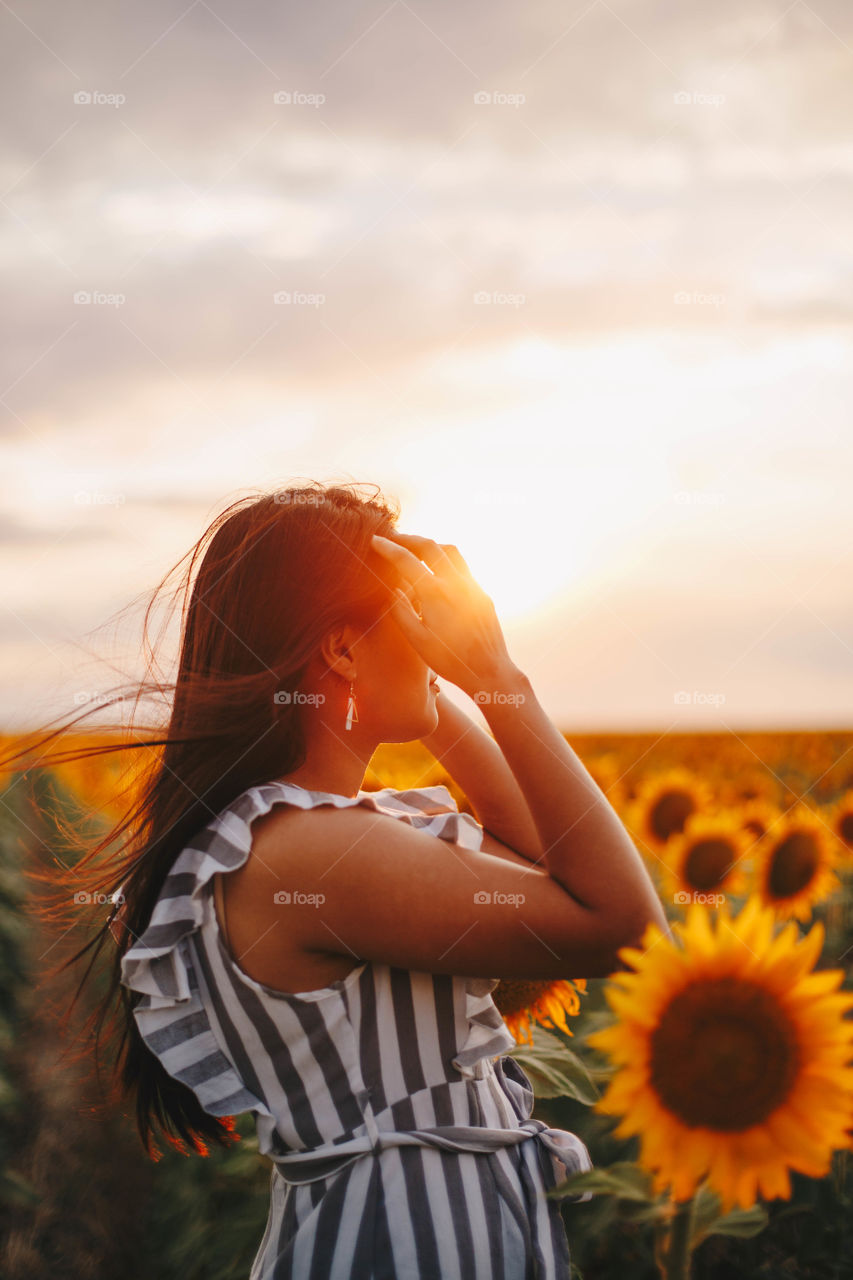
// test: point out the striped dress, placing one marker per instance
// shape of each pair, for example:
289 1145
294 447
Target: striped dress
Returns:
398 1128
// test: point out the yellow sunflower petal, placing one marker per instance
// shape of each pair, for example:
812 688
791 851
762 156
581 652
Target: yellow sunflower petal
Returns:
707 967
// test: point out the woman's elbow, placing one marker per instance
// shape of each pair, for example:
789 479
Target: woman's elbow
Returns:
635 933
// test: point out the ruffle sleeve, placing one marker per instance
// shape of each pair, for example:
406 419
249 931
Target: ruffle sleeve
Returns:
488 1035
171 1014
433 809
155 964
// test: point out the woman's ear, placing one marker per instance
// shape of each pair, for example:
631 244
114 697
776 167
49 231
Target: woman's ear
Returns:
336 650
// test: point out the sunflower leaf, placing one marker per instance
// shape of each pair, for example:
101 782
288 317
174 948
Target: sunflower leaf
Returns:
642 1211
623 1179
554 1070
706 1209
739 1222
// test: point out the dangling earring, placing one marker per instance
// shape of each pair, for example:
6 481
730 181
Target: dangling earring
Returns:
352 713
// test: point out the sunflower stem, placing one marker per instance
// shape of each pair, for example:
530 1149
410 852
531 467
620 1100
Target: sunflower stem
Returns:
677 1257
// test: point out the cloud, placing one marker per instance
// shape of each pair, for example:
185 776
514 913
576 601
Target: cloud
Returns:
181 198
17 535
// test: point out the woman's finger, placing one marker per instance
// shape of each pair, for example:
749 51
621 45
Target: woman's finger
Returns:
426 549
403 612
411 569
455 556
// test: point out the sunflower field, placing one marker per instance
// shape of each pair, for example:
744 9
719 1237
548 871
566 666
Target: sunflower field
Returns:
711 1079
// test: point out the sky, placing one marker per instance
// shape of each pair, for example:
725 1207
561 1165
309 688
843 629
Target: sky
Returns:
571 282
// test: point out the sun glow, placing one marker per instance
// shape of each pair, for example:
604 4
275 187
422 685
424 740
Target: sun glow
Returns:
548 489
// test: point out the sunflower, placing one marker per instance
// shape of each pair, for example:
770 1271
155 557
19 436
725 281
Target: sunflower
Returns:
522 1002
794 864
736 1060
663 804
757 817
840 820
706 857
744 786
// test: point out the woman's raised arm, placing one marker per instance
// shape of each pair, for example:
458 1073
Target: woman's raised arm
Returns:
475 762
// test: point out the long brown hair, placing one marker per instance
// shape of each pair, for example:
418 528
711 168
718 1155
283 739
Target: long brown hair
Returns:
276 572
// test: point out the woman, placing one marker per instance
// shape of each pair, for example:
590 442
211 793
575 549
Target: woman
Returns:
290 944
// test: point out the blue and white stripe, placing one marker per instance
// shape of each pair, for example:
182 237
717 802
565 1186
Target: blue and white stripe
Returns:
400 1134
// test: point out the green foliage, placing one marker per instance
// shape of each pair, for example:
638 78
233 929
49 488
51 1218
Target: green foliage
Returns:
707 1219
554 1070
206 1216
14 981
622 1179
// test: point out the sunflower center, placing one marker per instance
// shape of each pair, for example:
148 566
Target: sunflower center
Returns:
513 996
724 1055
707 863
669 813
845 827
793 864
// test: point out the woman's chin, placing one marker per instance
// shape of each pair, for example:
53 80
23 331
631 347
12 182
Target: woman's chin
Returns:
416 728
430 718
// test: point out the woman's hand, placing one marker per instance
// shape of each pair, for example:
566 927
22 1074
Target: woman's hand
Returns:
458 633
